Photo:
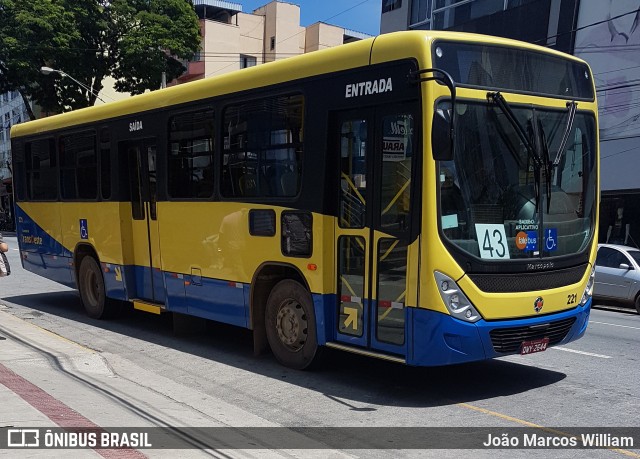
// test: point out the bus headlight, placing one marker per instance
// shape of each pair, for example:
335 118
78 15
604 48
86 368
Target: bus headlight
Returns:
588 291
455 300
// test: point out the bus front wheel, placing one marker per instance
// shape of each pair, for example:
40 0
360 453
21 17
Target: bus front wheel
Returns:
92 290
291 325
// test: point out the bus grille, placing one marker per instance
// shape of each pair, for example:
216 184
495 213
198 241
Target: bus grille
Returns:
528 282
507 340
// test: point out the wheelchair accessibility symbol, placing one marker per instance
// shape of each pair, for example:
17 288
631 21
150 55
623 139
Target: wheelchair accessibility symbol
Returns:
84 229
551 239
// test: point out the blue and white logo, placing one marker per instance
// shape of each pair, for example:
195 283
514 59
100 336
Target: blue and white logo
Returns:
532 241
551 239
84 229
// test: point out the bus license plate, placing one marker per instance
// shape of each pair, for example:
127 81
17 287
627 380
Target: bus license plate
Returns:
536 345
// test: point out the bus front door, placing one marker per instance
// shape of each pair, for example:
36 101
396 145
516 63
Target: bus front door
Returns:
373 226
139 157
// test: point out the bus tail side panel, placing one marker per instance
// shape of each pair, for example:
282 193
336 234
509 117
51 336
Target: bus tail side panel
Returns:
56 268
439 339
41 253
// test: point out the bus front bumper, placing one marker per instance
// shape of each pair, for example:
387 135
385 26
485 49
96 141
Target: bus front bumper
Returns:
439 339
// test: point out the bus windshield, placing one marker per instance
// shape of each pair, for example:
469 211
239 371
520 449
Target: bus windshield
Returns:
498 202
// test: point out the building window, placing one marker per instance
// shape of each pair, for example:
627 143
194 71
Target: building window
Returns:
247 61
420 11
273 43
451 14
390 5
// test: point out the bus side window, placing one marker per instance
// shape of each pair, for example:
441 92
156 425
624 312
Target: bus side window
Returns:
190 159
263 148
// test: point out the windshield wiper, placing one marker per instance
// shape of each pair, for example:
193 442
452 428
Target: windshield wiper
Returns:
550 166
571 116
534 151
542 151
503 105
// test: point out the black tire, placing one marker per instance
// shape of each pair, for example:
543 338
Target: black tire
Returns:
92 290
638 303
291 325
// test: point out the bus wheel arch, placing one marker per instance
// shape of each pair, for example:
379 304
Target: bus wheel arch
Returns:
268 281
91 285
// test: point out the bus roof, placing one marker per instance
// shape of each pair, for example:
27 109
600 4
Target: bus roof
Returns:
383 48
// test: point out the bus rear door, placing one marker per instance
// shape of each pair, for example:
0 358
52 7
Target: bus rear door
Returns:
139 157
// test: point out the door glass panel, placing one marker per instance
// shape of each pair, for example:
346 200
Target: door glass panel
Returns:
151 162
353 173
351 266
137 198
392 289
395 183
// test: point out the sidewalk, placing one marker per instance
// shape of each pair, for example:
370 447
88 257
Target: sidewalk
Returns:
48 381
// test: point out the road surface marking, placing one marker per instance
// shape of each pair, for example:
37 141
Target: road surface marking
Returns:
506 417
613 325
591 354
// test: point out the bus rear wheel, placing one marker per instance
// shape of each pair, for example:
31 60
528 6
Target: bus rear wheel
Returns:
92 290
291 326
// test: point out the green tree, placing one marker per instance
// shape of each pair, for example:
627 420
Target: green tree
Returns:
30 32
133 41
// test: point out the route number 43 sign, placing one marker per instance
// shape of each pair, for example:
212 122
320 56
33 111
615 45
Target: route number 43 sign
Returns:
492 241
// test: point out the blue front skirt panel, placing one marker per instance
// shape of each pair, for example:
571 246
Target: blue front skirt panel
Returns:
439 339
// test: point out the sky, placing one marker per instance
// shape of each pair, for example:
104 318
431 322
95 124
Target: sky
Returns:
359 15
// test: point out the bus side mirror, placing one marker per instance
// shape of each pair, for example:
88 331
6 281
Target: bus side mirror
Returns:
442 136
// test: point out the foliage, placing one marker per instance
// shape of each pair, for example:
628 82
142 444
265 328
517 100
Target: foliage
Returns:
133 41
30 32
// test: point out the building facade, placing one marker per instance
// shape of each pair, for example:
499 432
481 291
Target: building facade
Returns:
12 111
605 33
232 39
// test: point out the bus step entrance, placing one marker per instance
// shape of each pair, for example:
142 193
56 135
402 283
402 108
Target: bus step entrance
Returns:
153 308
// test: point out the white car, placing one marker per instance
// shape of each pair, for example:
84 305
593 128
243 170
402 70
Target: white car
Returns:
618 275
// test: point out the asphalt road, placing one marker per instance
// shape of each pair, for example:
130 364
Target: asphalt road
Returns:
143 374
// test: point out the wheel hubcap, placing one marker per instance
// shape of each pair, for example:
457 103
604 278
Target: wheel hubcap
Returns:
291 324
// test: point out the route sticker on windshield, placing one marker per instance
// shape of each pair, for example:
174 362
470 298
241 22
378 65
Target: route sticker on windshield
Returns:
492 241
527 241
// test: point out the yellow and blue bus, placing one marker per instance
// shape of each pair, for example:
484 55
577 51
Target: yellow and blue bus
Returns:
424 197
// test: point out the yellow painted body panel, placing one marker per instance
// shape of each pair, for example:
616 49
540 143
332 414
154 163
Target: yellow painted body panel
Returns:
212 237
109 226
